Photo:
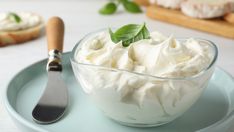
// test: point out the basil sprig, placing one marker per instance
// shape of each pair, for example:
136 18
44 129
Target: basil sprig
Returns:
130 33
111 7
15 17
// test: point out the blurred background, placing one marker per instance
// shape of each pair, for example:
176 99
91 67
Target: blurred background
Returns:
82 17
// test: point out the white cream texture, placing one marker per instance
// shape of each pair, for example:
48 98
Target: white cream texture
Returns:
28 20
133 98
174 4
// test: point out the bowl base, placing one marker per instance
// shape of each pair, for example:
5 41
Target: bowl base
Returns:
142 125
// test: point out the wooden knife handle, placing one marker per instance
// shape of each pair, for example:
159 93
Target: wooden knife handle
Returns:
55 34
229 18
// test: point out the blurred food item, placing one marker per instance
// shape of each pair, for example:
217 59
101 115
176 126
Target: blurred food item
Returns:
19 27
214 26
142 2
229 17
206 9
173 4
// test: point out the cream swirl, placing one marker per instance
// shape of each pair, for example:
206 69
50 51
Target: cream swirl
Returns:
159 56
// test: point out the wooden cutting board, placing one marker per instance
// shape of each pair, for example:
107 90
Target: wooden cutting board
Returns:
215 26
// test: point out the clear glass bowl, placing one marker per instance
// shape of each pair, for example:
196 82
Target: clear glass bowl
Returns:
167 98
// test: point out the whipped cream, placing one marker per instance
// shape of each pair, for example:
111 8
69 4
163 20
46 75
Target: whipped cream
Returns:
130 95
159 56
28 20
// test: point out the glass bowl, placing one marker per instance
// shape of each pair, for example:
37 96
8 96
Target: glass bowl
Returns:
164 100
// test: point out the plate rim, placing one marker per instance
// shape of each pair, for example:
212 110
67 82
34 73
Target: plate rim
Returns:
11 111
16 116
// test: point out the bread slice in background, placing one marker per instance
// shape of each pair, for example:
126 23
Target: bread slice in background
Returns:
206 9
20 36
22 32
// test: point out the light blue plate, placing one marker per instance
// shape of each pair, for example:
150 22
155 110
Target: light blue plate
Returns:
214 112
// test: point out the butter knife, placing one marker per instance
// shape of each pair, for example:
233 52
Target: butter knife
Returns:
54 100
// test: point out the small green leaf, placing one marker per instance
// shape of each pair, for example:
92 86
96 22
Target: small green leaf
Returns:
131 7
108 9
113 38
130 33
15 17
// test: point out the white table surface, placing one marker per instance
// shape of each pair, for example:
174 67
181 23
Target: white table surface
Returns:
81 17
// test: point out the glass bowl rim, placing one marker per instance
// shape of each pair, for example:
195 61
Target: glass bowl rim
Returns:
214 47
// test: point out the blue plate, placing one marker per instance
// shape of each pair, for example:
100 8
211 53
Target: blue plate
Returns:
214 112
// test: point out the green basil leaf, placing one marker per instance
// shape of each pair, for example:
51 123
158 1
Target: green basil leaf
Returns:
112 35
131 7
108 9
129 34
15 17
